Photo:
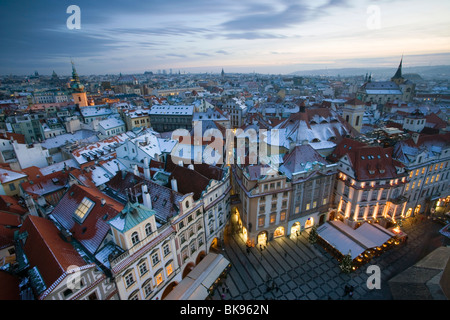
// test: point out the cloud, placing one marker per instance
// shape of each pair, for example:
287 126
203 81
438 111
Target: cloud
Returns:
253 36
223 52
202 54
176 55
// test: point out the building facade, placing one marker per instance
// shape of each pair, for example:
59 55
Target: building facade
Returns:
369 184
426 160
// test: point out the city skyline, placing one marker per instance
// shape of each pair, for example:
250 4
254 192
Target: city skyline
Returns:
264 37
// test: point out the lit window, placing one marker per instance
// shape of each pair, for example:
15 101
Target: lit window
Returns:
417 172
169 269
437 178
159 279
84 208
272 218
261 221
314 204
282 215
307 206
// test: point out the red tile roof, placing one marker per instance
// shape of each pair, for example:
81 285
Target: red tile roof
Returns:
9 223
11 204
9 290
46 250
92 231
368 162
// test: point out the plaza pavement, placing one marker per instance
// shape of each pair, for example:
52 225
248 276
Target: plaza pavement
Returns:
293 269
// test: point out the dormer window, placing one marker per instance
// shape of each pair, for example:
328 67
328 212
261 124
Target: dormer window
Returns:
83 209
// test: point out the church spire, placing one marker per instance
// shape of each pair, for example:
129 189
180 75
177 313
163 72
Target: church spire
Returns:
398 74
76 83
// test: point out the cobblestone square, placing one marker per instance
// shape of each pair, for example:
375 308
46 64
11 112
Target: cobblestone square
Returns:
302 271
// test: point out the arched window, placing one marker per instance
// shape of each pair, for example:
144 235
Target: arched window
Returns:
148 229
357 121
134 238
347 118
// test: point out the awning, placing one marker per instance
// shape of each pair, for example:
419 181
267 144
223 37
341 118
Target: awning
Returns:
338 240
196 284
344 238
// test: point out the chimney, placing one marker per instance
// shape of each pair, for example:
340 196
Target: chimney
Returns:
174 184
191 166
135 170
146 197
146 169
103 201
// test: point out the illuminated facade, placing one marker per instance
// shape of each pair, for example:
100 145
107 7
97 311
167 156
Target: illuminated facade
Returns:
426 159
370 183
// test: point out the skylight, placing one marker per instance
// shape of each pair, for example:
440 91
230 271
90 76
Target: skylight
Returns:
84 208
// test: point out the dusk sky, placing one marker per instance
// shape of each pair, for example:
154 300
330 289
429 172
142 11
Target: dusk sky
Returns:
205 36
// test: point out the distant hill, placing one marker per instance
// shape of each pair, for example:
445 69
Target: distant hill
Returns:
425 72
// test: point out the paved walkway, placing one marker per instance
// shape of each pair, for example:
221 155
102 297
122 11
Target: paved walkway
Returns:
293 269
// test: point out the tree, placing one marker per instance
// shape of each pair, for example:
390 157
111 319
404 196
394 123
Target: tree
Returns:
346 263
313 234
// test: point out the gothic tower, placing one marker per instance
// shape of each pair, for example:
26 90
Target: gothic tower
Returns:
398 78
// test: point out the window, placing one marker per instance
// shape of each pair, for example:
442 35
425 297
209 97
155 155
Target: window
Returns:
166 250
169 270
314 204
129 280
134 238
181 225
308 206
282 215
12 187
148 229
148 289
159 279
155 259
261 221
84 208
67 293
273 217
143 268
193 248
182 238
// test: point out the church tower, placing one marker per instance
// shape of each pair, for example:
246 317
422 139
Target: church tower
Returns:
78 92
398 78
353 113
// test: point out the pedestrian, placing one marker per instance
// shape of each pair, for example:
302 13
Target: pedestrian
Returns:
222 296
346 290
350 293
